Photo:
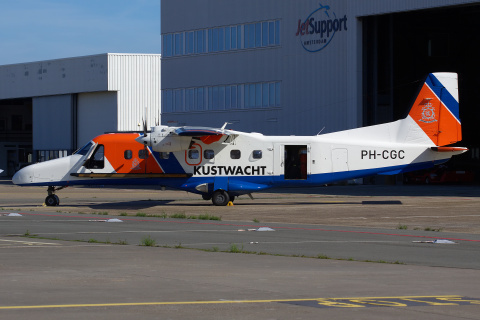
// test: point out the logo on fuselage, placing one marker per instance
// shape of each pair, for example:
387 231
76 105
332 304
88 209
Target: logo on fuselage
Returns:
319 28
229 170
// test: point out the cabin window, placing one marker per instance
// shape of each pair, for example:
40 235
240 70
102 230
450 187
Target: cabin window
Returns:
164 155
97 160
235 154
208 154
257 154
143 154
128 154
193 154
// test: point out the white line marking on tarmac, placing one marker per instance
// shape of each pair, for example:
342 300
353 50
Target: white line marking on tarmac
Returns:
30 243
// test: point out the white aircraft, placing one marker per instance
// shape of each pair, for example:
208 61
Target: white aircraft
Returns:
221 164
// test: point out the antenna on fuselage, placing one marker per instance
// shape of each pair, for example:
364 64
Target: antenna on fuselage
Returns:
320 131
224 125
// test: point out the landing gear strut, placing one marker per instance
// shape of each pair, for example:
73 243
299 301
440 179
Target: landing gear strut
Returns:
52 199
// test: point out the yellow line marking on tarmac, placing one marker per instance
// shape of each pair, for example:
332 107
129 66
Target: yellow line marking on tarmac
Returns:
445 298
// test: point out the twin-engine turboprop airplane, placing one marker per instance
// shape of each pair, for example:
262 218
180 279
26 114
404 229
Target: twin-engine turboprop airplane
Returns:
220 164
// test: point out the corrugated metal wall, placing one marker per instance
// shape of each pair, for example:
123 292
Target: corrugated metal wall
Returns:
136 78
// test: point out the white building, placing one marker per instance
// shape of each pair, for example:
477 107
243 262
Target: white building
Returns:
50 108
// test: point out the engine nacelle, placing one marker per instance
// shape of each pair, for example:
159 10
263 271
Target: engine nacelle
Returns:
162 139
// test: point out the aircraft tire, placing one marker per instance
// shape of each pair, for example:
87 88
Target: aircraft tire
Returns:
52 200
220 198
206 196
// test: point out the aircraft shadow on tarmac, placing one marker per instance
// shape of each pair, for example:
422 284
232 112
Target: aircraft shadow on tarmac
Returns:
144 204
388 190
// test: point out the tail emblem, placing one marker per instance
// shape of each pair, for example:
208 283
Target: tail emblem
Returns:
428 113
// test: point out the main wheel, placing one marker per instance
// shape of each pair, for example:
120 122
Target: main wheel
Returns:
206 196
52 200
220 198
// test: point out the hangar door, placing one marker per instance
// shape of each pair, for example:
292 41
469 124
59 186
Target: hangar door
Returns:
53 122
400 49
97 114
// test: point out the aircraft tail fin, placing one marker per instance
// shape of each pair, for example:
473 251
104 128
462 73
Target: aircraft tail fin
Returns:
436 109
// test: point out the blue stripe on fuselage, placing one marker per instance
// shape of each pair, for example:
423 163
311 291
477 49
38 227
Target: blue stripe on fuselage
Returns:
170 165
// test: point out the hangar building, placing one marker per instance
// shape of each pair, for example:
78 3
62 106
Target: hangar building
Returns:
48 109
287 67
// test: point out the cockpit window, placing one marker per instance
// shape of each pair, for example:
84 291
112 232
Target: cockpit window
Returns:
84 150
97 160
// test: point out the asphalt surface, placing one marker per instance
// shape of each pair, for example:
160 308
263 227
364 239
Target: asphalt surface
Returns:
71 262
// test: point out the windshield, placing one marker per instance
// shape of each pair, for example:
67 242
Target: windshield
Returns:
84 150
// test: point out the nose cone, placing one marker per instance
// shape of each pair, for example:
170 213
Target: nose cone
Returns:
143 139
24 176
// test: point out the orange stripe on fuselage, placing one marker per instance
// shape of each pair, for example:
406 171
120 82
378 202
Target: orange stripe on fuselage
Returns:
435 119
115 145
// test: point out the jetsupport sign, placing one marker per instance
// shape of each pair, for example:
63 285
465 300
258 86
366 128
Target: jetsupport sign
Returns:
319 28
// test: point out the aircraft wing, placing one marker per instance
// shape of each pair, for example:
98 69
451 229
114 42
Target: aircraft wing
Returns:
198 131
170 139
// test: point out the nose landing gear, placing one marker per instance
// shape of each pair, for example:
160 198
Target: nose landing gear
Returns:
52 199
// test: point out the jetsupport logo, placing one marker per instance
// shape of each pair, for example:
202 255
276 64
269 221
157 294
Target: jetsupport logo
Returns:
319 28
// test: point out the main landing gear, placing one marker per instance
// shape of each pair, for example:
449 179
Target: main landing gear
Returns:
52 199
219 197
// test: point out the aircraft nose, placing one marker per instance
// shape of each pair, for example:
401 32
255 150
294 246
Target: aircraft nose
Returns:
23 176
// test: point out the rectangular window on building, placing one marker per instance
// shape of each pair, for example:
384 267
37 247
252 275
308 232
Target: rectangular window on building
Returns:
178 44
239 37
277 32
167 45
215 98
271 87
240 100
189 47
179 104
234 97
271 33
189 105
210 40
228 99
199 99
200 41
251 95
265 94
277 94
258 95
221 98
221 39
258 35
264 34
227 38
210 98
234 37
215 40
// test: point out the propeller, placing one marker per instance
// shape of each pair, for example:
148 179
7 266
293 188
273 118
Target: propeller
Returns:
144 120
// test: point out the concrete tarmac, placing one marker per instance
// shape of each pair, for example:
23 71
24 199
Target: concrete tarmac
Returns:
66 262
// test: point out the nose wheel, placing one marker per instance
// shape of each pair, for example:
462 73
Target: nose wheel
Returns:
52 199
